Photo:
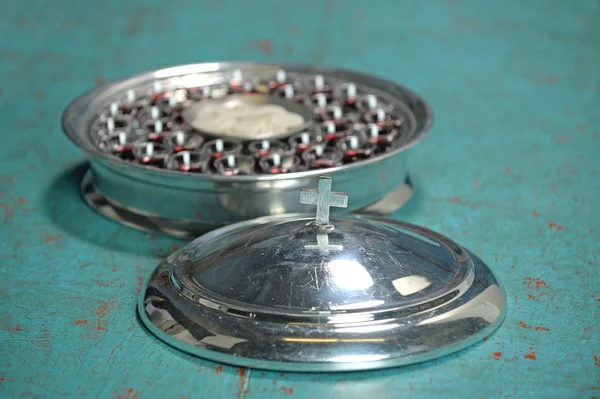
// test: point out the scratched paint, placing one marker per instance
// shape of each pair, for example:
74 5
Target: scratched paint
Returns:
510 171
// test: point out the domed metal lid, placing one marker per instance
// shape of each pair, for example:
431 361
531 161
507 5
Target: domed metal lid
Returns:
292 292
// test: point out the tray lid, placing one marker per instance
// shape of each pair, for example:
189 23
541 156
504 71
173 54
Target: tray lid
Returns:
304 293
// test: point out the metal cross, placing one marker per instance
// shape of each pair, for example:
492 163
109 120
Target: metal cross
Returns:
323 198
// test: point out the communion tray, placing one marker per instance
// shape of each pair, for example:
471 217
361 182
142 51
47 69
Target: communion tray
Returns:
167 154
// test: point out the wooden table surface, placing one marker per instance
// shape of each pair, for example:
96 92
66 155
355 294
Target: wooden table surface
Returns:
510 170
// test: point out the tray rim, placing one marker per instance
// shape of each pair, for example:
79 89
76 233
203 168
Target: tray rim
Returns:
73 111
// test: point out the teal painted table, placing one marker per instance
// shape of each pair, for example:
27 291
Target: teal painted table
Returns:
510 171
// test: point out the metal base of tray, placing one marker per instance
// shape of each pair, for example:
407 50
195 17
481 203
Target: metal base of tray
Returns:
190 229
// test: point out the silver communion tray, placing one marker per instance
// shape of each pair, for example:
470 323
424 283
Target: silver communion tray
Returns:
154 168
299 293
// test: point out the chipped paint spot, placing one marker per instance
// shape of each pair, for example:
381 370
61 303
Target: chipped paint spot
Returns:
140 283
596 361
534 283
524 325
241 372
287 391
539 328
101 313
265 46
128 393
457 200
52 238
219 370
9 209
530 356
557 227
80 322
497 355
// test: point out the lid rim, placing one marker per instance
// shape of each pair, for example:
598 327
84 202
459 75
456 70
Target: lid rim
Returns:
459 324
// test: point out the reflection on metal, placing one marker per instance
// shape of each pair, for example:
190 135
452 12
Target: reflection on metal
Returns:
360 305
358 358
222 341
349 274
367 329
330 340
410 284
322 244
484 305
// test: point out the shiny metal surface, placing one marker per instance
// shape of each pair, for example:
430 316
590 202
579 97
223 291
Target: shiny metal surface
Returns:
192 228
277 293
189 115
165 198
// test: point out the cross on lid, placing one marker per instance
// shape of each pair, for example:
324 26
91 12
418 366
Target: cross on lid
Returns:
323 198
